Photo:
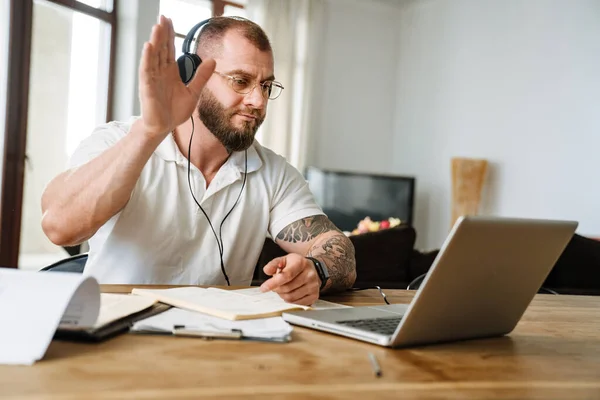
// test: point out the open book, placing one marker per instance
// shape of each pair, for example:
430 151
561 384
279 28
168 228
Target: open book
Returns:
36 306
227 304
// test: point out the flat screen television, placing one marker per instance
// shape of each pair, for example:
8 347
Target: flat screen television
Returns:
349 197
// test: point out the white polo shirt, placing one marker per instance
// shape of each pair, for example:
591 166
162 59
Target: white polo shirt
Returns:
162 237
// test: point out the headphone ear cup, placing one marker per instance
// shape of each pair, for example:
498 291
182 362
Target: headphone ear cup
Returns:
188 63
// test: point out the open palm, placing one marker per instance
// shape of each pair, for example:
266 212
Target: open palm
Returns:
166 102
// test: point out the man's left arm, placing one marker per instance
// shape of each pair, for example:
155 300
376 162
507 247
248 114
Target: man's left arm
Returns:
294 276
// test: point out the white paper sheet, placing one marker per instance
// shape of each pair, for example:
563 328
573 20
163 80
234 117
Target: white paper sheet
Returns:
274 328
33 304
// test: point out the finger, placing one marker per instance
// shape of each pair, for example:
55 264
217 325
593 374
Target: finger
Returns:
155 44
302 280
163 44
171 43
145 62
286 275
307 300
296 294
155 35
203 74
148 63
276 281
275 265
291 286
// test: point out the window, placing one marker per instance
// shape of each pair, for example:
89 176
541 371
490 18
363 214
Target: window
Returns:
106 5
187 13
69 86
4 22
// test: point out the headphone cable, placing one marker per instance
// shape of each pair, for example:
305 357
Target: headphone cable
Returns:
219 243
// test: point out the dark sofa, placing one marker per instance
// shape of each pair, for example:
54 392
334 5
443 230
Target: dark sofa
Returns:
388 259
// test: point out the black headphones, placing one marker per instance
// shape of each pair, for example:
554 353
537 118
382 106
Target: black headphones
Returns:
189 61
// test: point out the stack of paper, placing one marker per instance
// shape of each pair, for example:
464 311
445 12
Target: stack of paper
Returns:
217 313
34 304
271 329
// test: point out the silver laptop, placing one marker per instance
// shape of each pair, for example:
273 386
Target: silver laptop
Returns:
484 277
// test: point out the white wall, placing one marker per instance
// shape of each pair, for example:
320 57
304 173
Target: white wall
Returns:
407 85
354 110
516 82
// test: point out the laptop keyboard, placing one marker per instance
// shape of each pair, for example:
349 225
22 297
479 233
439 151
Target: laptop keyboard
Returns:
386 326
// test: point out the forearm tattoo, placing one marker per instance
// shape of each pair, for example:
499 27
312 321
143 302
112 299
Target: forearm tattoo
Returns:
306 229
338 254
337 251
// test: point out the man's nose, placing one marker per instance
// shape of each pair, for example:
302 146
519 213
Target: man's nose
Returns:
255 98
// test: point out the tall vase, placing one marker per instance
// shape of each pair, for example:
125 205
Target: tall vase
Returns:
468 179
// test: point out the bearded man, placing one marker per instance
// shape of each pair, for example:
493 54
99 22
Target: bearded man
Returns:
184 194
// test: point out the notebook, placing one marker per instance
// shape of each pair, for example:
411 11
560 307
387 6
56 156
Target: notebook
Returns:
118 312
227 304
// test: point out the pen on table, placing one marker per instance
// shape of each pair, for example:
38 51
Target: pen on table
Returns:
375 365
183 330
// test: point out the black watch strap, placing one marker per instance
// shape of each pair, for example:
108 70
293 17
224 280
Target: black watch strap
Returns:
321 271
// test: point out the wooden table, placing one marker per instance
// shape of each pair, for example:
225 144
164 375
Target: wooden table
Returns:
553 353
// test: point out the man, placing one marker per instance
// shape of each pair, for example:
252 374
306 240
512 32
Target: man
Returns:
159 207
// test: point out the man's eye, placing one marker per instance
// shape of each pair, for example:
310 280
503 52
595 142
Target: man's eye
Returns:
240 82
267 86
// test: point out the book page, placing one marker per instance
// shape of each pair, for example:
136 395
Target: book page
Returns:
116 306
317 305
32 304
218 302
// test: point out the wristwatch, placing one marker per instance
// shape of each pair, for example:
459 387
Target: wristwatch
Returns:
321 271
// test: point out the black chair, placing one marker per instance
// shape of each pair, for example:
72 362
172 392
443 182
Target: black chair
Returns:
416 283
71 264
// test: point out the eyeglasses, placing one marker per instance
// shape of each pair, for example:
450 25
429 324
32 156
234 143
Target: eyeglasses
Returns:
269 89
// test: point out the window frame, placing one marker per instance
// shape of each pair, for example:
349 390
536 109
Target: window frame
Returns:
17 99
218 8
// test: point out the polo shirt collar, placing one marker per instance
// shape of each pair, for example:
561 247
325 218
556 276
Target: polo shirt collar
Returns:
168 151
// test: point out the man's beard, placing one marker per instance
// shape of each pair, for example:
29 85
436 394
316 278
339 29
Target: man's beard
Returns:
218 120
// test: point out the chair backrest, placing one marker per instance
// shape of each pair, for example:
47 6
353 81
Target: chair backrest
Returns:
70 264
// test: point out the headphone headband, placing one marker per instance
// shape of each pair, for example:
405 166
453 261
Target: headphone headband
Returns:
190 36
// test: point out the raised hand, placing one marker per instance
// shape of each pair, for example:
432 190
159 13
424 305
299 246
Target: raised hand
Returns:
166 102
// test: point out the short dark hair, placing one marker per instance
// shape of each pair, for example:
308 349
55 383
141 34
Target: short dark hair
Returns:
211 35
